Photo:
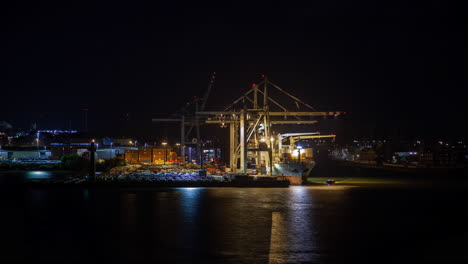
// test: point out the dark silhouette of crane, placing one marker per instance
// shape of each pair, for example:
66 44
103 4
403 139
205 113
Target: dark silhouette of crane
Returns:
186 115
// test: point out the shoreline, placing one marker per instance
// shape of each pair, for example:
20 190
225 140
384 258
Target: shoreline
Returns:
177 184
397 167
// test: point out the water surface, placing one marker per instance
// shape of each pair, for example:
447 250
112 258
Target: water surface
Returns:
392 222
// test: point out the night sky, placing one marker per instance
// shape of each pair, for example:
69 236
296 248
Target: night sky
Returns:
397 68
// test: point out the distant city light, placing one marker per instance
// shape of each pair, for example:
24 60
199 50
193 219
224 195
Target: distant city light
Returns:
57 131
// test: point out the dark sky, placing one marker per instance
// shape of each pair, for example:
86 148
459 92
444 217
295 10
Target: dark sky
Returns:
396 67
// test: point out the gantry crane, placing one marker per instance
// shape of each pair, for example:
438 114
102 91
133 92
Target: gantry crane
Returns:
187 117
250 123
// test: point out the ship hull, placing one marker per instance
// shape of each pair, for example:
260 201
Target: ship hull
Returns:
296 173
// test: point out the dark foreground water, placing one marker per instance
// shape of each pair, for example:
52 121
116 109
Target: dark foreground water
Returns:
367 220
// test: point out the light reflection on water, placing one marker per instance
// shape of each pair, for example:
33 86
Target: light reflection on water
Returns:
313 224
301 235
38 175
293 236
295 230
189 203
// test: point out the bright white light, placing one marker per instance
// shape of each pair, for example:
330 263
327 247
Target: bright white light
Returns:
38 175
295 153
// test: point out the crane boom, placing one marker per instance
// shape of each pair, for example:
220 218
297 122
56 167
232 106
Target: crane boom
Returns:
294 139
204 100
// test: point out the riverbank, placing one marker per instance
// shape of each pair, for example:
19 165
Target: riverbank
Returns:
84 183
46 165
399 167
371 169
129 177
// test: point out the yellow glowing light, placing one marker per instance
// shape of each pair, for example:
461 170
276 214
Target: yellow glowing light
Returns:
295 153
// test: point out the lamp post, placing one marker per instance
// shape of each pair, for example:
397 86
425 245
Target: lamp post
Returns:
178 148
92 163
165 152
37 147
37 140
272 147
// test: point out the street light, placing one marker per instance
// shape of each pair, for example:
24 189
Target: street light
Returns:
37 146
178 148
37 140
165 151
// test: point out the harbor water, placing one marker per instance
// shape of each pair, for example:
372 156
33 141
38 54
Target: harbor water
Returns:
374 220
